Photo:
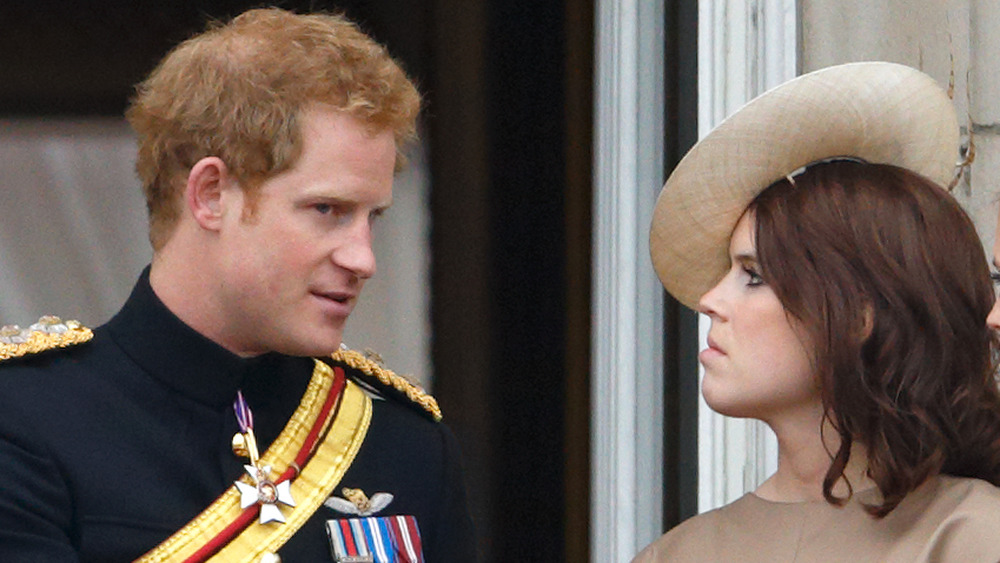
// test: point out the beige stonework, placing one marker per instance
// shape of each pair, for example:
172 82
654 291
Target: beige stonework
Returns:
944 38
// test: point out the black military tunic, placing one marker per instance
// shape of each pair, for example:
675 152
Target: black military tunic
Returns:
109 447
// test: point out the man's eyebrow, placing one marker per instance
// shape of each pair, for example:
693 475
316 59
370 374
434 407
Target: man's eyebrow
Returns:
345 200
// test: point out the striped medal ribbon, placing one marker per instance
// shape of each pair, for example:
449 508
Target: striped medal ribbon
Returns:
383 539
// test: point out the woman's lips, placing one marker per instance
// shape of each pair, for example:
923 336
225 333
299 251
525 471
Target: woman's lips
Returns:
712 352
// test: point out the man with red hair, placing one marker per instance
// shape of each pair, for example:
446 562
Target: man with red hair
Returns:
216 415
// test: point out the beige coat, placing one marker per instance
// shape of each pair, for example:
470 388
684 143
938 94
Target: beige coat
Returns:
947 519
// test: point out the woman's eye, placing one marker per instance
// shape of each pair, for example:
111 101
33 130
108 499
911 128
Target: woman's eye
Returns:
755 278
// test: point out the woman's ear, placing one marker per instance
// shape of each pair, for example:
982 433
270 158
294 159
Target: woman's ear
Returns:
203 193
867 322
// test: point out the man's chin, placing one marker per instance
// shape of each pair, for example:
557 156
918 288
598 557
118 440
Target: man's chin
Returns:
312 348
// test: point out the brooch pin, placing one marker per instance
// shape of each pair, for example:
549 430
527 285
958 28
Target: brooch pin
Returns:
355 501
264 492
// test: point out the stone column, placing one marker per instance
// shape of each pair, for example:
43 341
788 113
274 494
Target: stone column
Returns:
984 111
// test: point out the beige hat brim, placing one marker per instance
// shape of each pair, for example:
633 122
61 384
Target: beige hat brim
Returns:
880 112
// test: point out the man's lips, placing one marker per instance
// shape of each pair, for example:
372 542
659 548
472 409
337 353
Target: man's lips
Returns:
338 296
337 303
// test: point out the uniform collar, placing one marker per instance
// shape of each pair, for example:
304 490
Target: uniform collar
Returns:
183 359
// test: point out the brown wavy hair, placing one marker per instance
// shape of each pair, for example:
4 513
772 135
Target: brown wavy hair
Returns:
237 91
889 279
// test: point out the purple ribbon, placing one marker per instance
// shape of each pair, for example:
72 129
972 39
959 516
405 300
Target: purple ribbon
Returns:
243 414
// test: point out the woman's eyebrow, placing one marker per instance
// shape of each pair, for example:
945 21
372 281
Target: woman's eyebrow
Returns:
745 257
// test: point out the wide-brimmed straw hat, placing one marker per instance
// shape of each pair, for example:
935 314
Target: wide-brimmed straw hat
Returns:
879 112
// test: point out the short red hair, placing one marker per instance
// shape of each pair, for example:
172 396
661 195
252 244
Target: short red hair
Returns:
238 90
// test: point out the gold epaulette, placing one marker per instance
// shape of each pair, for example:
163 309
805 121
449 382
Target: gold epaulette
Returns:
373 368
48 333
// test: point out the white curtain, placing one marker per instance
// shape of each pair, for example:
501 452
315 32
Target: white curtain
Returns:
72 219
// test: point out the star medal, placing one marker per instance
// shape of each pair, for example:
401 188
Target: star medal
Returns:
264 492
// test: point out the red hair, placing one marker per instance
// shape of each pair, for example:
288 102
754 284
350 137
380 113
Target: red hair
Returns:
237 92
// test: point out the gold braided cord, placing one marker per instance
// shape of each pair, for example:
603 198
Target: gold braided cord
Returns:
369 367
334 454
41 341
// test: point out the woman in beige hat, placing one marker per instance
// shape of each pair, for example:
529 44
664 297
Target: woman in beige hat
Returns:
847 293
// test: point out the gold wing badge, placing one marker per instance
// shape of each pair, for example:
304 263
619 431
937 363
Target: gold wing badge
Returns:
356 502
48 333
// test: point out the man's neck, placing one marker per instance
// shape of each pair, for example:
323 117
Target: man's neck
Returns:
187 292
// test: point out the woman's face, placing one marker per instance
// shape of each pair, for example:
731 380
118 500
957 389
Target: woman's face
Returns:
993 320
756 363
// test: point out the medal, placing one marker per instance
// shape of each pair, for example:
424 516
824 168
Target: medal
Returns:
264 492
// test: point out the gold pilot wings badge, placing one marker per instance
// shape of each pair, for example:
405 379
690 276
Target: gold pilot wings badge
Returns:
357 503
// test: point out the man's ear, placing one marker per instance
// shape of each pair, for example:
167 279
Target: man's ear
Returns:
206 181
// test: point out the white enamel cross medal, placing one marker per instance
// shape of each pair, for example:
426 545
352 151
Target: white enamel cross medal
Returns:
264 491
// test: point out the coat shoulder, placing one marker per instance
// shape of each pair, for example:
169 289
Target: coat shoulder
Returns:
367 369
48 334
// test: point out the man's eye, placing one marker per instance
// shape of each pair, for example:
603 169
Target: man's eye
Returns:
324 208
